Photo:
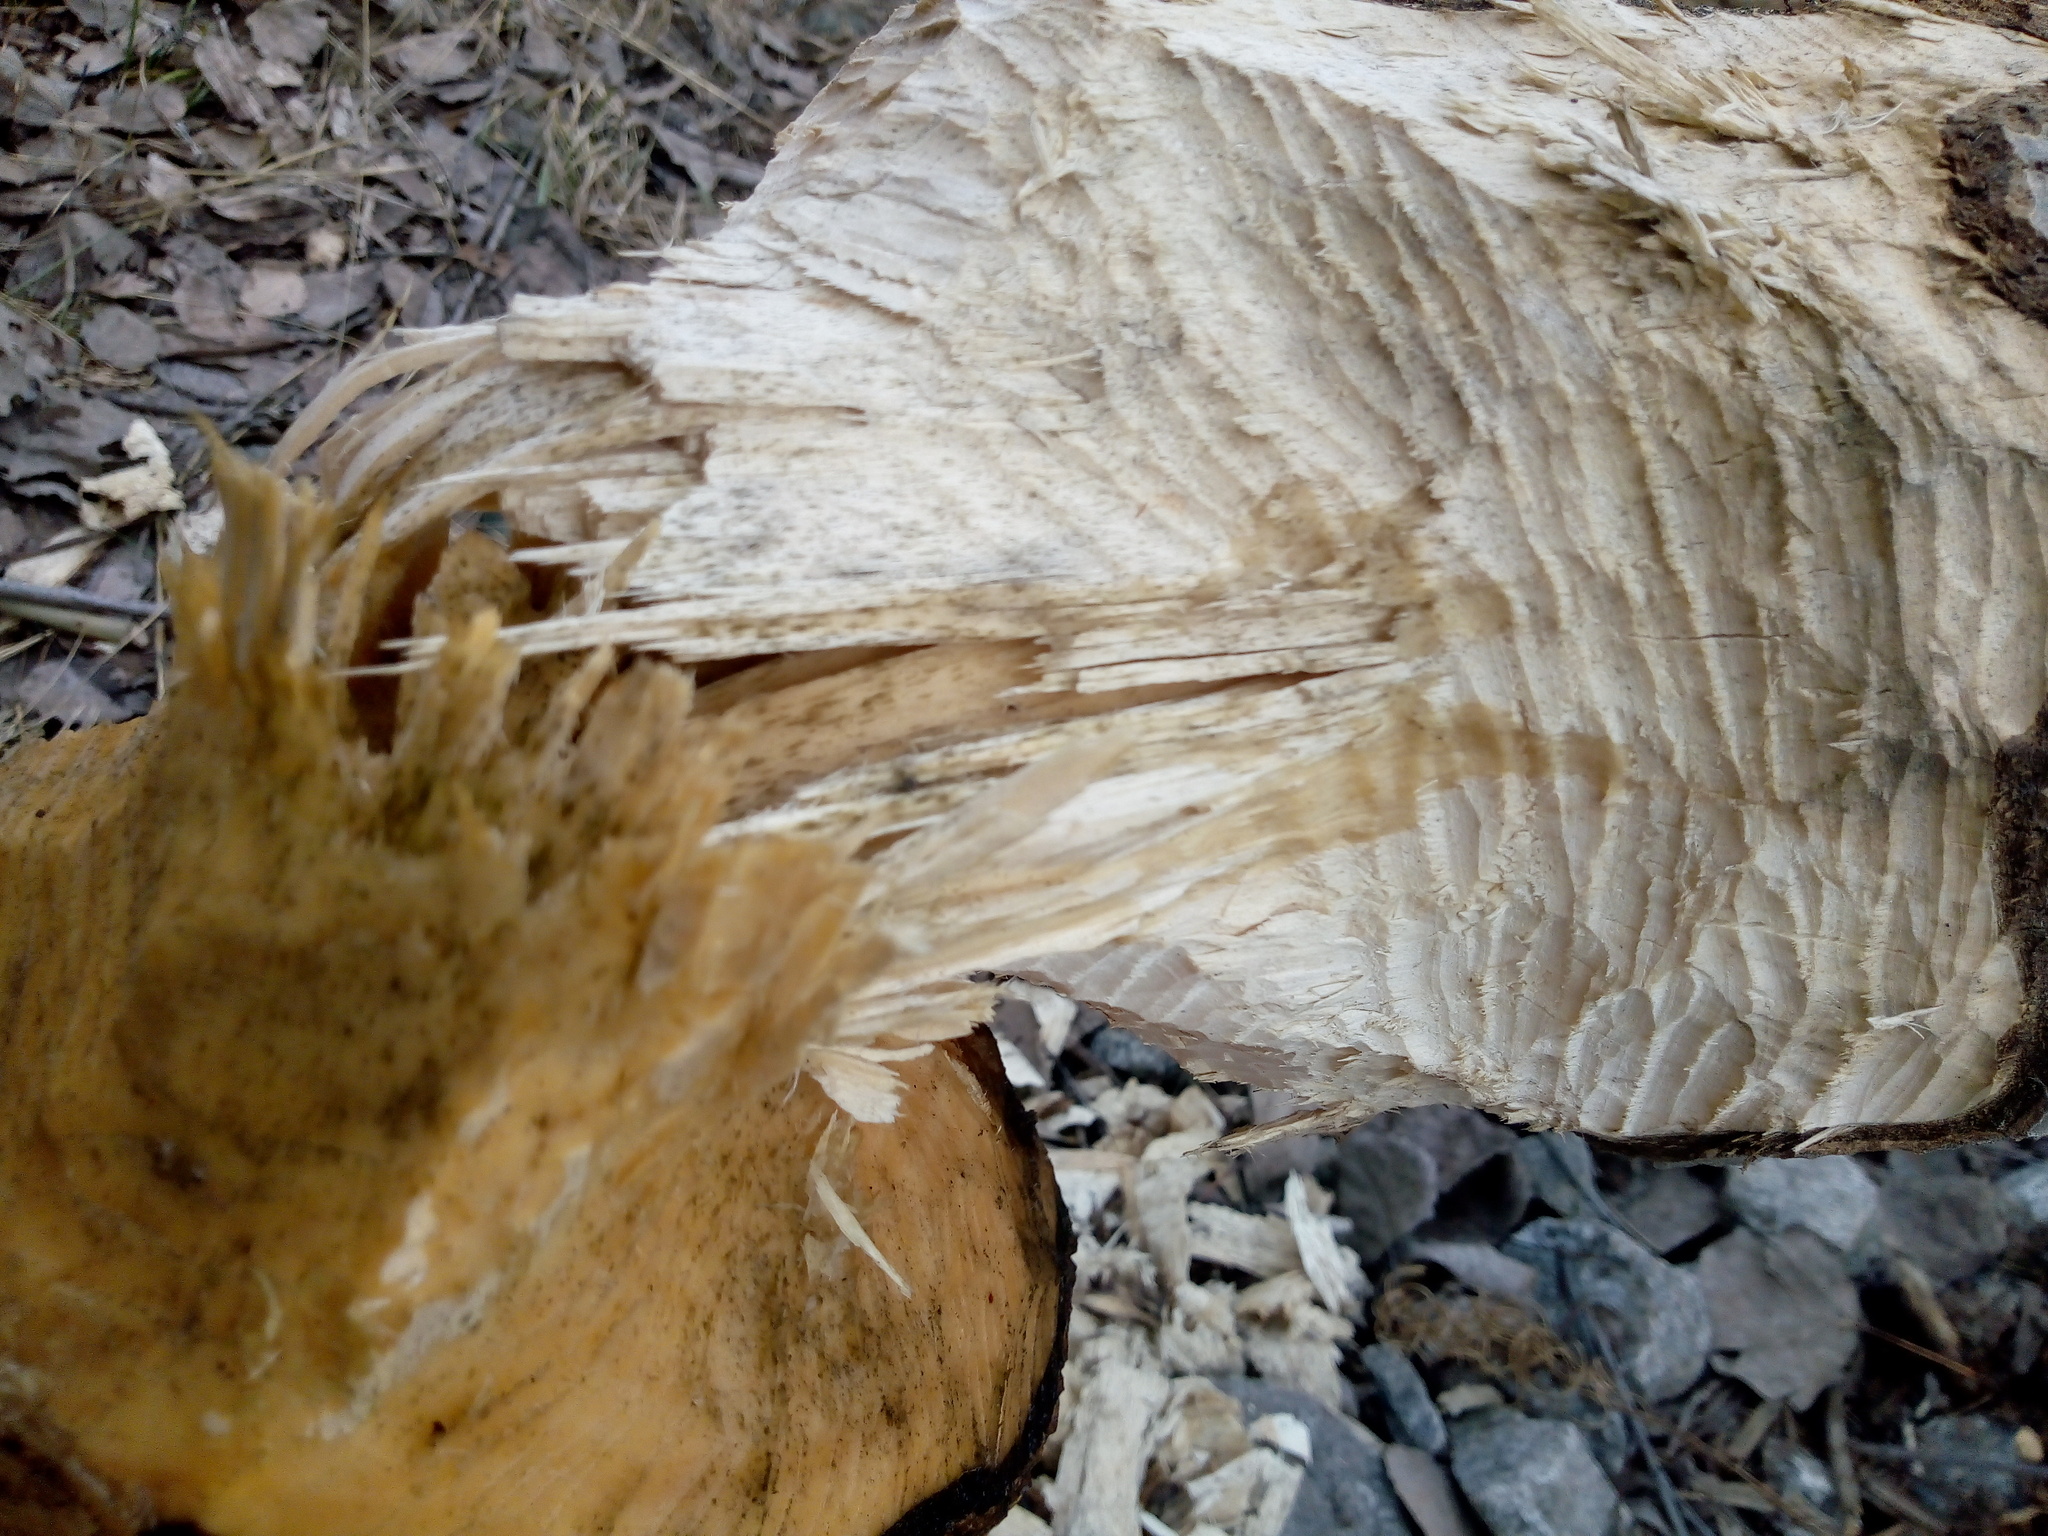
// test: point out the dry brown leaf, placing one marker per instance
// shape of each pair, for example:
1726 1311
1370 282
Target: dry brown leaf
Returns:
462 164
433 58
163 182
90 59
39 159
32 99
541 53
120 338
143 108
335 299
273 288
233 147
230 70
289 31
252 205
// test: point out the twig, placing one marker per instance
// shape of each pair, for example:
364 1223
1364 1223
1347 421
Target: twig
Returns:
1922 1351
1806 1516
1894 1502
1848 1491
1680 1517
1898 1455
75 601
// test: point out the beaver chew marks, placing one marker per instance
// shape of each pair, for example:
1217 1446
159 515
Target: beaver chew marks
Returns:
427 1136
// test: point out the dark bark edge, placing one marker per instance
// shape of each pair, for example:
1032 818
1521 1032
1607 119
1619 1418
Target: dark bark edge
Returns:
975 1501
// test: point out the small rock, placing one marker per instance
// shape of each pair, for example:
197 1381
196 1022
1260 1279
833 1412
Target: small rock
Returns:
1482 1190
1484 1206
1987 1307
121 338
2026 1194
1784 1312
1799 1475
1968 1467
1123 1052
1531 1477
1458 1141
1410 1413
1667 1207
1600 1286
1345 1491
1607 1432
1486 1270
1425 1492
1266 1166
1386 1187
1832 1196
1563 1175
1950 1225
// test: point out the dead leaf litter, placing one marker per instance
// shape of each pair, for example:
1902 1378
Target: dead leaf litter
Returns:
208 212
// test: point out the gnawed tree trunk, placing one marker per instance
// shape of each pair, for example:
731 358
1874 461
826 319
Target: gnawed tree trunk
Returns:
1515 539
1412 556
410 1135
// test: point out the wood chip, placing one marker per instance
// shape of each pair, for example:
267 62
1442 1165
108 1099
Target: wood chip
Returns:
1258 1245
1102 1465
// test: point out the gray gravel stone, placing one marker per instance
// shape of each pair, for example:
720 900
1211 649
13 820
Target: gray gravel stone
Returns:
1484 1269
1561 1172
1122 1051
1951 1225
1784 1312
2026 1193
1801 1475
1834 1197
1411 1412
1600 1285
1345 1491
1386 1186
1667 1206
1531 1477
